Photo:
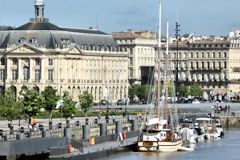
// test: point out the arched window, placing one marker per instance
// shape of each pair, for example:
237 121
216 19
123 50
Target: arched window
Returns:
25 73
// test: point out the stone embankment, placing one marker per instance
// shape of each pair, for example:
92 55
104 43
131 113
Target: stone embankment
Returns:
230 121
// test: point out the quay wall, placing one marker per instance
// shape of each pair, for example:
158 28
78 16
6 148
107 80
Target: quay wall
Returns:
230 121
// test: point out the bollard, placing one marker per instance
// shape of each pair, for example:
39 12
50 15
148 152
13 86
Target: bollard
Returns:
11 130
103 129
118 127
46 134
4 138
86 132
41 127
134 126
20 136
68 133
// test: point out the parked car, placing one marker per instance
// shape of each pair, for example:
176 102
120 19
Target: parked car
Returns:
121 102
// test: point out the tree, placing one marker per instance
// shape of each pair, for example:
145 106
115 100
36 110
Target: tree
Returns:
9 107
196 90
50 99
143 92
132 91
32 103
68 106
86 101
183 90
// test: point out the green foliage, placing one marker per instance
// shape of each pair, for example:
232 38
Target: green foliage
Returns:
9 108
32 103
68 107
50 99
141 91
196 90
133 89
183 90
86 101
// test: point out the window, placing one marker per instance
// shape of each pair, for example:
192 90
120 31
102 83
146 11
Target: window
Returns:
191 54
208 65
197 54
2 74
202 54
2 61
21 40
14 74
197 65
26 73
225 54
37 75
192 65
219 54
50 75
214 55
37 61
50 62
225 65
213 65
220 65
208 54
15 61
202 65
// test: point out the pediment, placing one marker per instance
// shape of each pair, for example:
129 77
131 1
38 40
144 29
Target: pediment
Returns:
23 49
75 50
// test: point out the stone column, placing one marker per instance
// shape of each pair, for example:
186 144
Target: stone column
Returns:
31 70
8 70
20 71
43 70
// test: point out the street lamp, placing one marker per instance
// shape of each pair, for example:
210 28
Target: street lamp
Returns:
59 105
177 38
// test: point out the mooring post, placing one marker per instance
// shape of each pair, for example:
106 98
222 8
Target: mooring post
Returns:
103 129
134 124
118 127
86 131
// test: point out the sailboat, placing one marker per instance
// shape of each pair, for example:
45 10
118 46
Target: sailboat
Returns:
158 133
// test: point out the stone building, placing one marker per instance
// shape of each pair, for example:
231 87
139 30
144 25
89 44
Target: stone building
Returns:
40 54
213 63
141 49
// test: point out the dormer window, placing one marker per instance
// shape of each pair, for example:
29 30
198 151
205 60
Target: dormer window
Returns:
21 40
65 43
33 40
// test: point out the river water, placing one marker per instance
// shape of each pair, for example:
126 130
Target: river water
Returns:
227 148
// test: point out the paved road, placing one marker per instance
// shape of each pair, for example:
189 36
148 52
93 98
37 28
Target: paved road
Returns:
201 106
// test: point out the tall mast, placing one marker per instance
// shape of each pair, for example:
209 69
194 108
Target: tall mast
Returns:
166 74
158 57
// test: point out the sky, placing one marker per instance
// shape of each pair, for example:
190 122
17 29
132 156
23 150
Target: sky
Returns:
200 17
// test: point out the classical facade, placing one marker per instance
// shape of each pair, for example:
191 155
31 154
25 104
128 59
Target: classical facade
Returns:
40 54
141 49
212 63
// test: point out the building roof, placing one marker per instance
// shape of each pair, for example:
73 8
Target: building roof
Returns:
50 36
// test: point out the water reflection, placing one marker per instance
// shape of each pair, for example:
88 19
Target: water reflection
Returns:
227 148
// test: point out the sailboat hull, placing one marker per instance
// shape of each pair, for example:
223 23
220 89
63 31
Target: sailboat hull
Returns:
155 146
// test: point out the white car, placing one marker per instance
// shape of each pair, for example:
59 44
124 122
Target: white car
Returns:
195 101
